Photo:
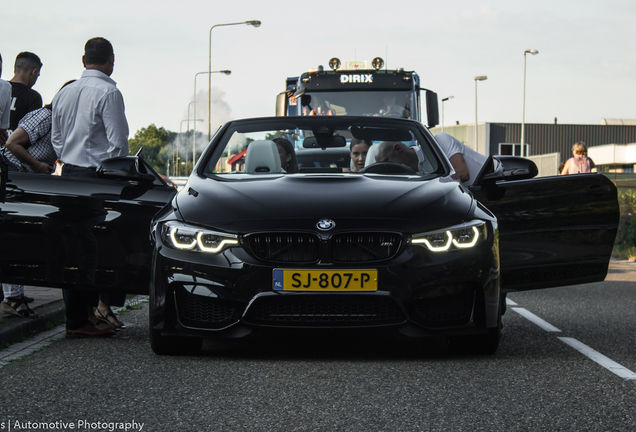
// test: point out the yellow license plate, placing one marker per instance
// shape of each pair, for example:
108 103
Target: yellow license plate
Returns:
325 280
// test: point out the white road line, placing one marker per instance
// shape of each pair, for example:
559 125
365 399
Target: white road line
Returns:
535 319
510 302
599 358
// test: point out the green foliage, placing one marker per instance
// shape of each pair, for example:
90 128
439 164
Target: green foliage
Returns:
625 243
156 143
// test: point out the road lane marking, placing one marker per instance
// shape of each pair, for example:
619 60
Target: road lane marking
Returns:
535 319
510 302
599 358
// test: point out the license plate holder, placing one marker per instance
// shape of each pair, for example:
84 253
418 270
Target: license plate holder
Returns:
310 280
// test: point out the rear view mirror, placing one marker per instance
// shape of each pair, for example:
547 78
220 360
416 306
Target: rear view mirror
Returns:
324 142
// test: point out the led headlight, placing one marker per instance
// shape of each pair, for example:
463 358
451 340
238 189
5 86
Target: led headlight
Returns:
178 235
463 236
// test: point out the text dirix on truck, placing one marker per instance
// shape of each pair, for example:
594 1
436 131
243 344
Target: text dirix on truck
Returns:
358 88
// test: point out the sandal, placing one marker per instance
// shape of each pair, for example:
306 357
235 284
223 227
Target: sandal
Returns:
101 323
19 306
115 322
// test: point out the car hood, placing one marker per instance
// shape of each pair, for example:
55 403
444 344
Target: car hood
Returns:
298 202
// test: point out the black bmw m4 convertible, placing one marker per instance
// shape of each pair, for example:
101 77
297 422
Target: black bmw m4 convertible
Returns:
247 246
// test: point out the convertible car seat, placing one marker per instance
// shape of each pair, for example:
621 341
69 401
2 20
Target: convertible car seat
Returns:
262 157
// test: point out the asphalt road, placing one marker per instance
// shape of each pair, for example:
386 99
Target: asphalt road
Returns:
535 382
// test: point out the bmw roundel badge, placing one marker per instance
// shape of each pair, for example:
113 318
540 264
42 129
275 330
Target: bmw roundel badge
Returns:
325 224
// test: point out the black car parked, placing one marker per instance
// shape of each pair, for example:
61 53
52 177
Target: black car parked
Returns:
235 252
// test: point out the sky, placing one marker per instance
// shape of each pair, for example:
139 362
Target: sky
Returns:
585 70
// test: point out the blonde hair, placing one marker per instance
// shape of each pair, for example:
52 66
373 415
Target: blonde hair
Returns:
579 148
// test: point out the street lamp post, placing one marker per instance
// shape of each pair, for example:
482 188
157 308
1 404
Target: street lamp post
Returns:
254 23
194 139
444 100
523 109
176 152
477 78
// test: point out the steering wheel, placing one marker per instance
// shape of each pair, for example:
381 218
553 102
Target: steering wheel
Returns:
387 168
392 114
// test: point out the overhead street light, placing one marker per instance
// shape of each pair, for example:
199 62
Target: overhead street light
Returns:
523 110
477 78
253 23
194 136
444 100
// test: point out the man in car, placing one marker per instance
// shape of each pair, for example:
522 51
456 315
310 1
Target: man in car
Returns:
396 151
465 161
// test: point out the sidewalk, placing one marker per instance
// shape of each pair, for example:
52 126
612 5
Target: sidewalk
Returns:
48 304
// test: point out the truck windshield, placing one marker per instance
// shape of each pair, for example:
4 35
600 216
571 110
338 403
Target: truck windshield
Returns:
358 103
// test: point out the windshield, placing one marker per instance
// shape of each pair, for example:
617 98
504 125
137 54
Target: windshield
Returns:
322 145
358 103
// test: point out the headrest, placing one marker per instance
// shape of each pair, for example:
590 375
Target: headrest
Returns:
262 157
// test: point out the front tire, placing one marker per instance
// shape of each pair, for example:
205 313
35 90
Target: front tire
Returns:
480 344
169 345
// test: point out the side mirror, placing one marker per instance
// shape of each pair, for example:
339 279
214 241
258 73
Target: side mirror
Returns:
514 168
432 109
125 168
502 168
281 104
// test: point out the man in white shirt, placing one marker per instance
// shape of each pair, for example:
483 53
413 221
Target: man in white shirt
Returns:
89 121
466 161
88 126
5 106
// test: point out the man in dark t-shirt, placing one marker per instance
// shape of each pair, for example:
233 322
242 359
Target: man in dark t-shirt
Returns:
24 98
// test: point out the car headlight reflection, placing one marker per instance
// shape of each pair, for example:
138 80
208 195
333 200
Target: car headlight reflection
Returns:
463 236
180 236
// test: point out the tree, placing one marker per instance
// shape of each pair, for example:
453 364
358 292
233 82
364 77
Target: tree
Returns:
156 144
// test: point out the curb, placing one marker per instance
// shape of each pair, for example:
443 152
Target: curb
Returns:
16 328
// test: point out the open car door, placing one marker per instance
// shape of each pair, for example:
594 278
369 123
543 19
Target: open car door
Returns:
71 232
553 231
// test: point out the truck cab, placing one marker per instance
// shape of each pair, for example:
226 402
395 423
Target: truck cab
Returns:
358 88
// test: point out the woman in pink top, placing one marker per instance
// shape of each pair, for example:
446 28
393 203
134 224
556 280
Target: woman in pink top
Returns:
580 163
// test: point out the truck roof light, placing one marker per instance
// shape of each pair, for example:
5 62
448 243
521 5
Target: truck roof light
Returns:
334 63
377 63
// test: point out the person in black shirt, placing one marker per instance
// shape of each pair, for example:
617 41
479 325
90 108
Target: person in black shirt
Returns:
26 72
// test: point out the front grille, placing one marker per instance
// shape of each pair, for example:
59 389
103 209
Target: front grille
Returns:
205 312
306 248
285 247
338 310
447 311
362 247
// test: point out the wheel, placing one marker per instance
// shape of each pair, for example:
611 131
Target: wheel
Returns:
386 168
174 345
481 344
169 345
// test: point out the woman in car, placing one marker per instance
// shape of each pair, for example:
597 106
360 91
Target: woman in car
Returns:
288 160
358 150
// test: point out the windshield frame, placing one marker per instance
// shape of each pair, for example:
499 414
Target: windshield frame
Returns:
206 165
